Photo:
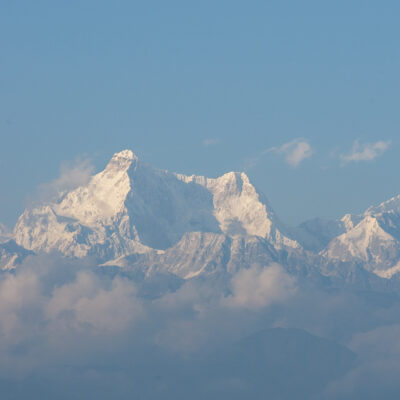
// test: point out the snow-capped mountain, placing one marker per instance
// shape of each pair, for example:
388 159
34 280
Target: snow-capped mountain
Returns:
372 238
132 208
152 221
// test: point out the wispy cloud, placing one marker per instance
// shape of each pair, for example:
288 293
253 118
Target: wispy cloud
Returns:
365 152
294 153
72 175
210 142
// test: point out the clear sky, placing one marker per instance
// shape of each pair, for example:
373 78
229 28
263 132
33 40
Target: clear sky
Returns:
206 87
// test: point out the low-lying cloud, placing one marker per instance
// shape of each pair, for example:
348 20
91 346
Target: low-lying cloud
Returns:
259 287
93 306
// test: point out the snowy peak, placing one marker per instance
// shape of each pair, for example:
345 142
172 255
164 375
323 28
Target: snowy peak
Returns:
89 220
122 160
240 209
104 196
349 221
362 242
372 238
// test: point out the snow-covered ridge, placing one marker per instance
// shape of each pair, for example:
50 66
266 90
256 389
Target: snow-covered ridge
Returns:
391 206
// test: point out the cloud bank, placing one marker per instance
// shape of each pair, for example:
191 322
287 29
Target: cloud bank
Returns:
90 330
259 287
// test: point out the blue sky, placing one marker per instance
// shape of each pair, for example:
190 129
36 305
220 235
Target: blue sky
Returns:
205 88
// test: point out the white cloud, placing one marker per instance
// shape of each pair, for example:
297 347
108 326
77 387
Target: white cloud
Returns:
259 287
295 151
95 307
210 142
20 298
365 152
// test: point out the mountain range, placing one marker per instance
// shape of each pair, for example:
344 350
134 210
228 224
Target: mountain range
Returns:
151 222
